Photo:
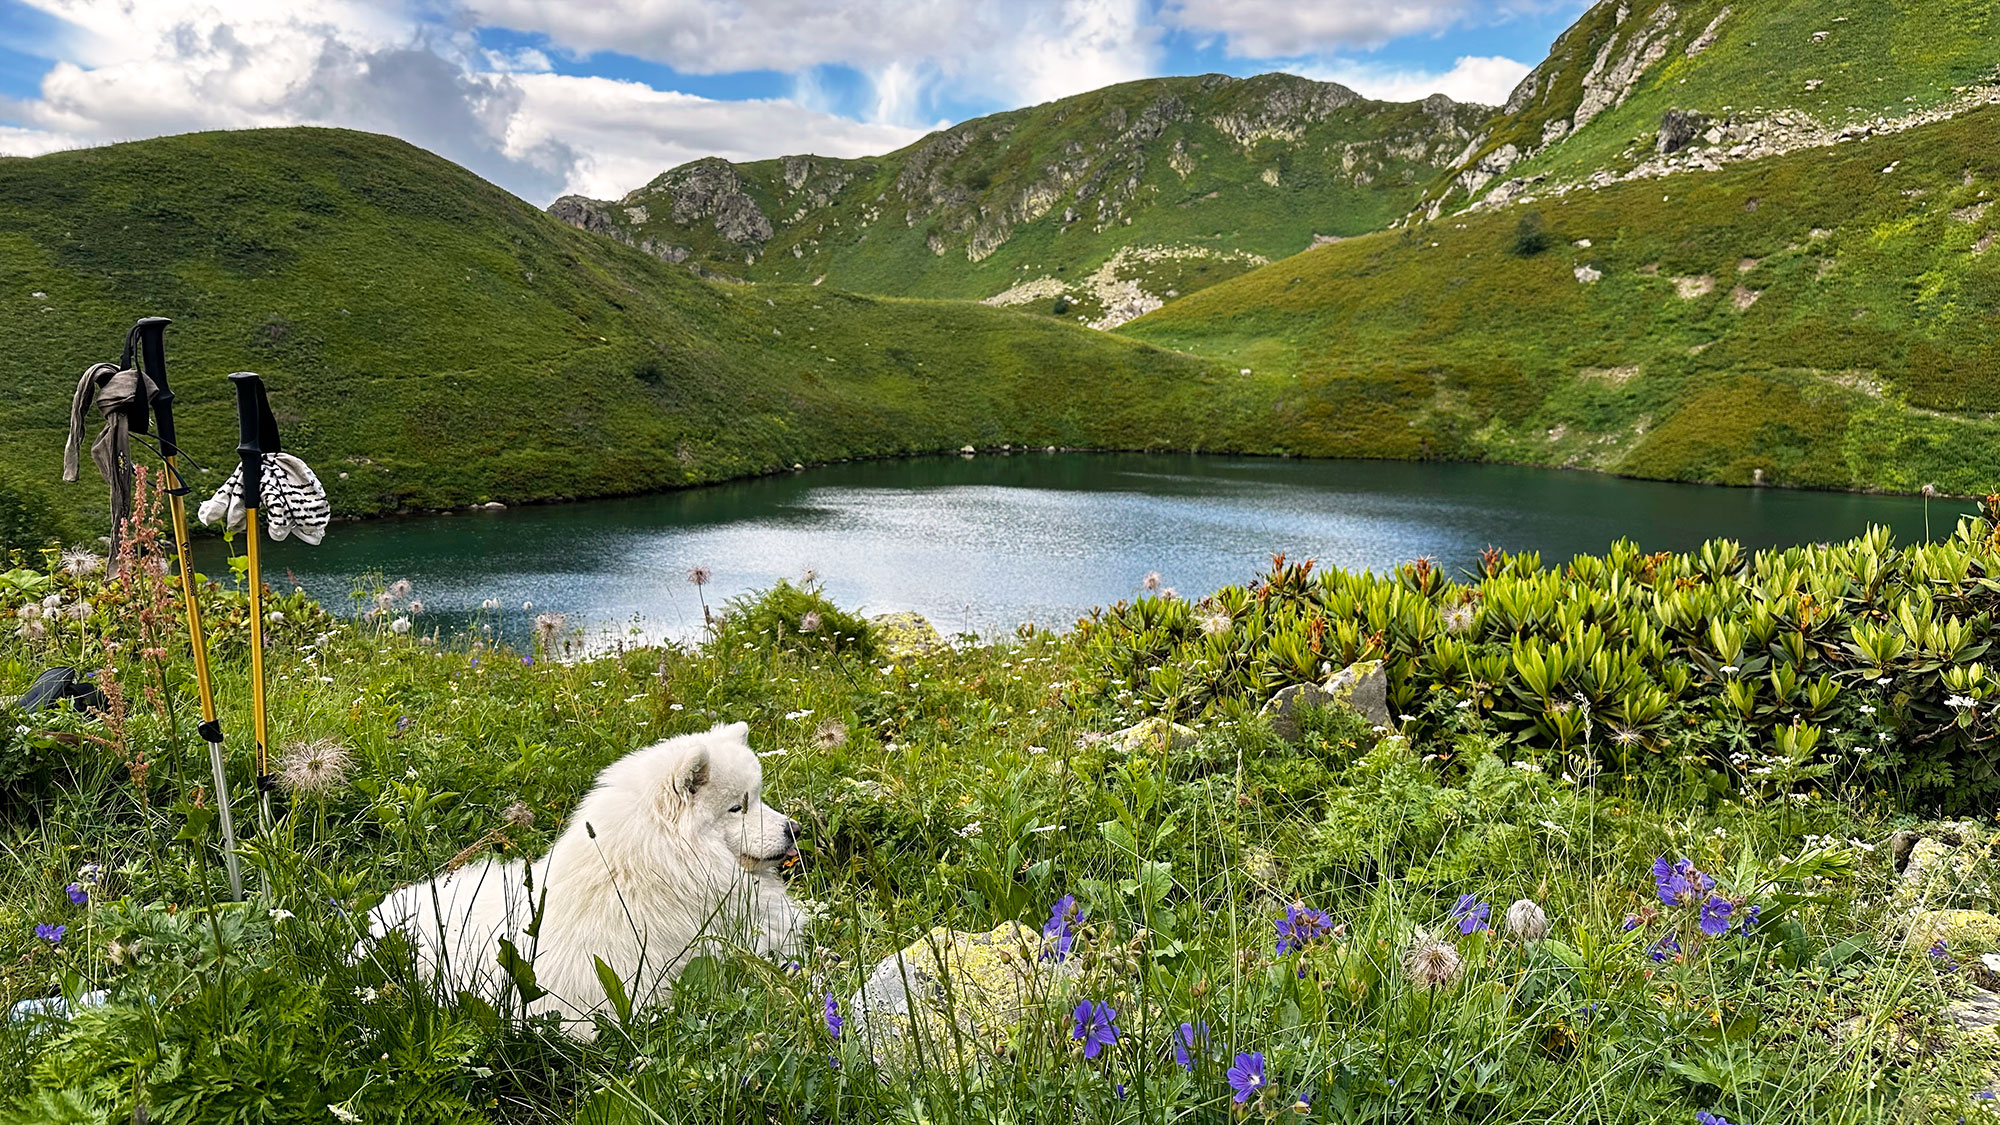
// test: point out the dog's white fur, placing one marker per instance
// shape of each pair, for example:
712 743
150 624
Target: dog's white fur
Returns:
673 850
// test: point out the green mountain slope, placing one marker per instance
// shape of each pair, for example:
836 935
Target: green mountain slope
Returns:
1109 202
1826 318
1740 81
431 341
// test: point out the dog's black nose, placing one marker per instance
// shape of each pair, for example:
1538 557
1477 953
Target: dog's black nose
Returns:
791 831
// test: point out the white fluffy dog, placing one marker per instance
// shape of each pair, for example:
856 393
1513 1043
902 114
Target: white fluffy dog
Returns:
672 850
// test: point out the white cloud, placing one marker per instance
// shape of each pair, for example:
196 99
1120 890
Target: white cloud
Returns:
1476 79
622 134
1019 52
1292 28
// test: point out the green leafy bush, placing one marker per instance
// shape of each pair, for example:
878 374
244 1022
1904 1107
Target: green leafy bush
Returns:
795 618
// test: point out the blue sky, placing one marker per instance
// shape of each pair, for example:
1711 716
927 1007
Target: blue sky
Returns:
553 96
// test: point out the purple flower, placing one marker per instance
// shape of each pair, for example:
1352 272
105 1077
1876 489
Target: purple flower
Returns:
1707 1118
1061 928
1247 1076
1938 950
527 662
1750 918
1631 923
833 1019
1299 926
1715 916
1664 948
1096 1026
51 934
1471 914
1680 884
77 895
1192 1038
402 723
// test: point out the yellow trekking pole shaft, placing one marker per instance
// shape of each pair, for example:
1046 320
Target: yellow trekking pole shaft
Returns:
211 726
258 435
149 338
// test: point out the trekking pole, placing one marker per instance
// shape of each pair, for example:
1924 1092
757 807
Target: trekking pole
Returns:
257 435
152 332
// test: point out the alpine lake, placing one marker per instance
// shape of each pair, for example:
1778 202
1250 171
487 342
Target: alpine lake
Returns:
982 544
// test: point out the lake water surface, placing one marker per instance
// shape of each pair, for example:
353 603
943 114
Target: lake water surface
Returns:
982 544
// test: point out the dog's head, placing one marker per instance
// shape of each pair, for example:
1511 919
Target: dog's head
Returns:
709 787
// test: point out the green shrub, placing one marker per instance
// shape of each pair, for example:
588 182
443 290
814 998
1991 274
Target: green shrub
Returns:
28 518
794 618
1531 235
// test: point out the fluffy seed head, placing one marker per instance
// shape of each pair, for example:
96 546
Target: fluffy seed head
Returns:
1432 964
400 625
831 735
518 815
700 575
315 768
810 622
81 562
1526 921
400 588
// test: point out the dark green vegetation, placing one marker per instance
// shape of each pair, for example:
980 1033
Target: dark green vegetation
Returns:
1197 178
1828 318
431 341
972 787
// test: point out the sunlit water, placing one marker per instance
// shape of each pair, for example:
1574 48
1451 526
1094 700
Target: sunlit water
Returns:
983 544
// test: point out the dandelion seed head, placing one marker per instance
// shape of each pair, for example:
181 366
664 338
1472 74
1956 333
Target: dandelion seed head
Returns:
1432 964
314 768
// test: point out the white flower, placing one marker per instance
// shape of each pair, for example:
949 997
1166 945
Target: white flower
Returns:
1867 709
1038 749
400 588
1464 703
275 617
795 716
280 914
367 994
1961 702
1527 767
1730 669
80 562
673 707
52 602
77 611
1884 681
342 1113
1883 737
490 604
970 830
400 625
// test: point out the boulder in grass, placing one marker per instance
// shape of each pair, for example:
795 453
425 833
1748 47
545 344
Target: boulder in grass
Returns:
1364 686
1958 929
1155 733
904 635
951 998
1283 708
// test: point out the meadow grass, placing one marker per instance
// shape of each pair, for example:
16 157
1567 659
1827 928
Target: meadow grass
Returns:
963 787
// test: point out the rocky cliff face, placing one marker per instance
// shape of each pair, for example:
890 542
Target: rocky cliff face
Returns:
1643 88
1198 177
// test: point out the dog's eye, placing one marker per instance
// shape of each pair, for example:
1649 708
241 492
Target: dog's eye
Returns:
737 807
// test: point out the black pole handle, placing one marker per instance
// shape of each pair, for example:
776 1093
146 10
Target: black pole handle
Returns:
257 433
151 332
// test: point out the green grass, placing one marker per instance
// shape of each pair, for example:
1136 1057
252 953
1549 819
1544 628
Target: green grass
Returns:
967 788
1100 176
1866 362
431 342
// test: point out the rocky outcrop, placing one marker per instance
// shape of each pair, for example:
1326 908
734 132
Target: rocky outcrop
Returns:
711 189
595 217
1619 65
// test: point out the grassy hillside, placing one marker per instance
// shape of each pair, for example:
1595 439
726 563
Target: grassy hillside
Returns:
1203 177
1829 318
431 341
1751 77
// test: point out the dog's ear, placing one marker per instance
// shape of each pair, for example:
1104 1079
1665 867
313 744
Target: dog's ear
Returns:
692 774
740 731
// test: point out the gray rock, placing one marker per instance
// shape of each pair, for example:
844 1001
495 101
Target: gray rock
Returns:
1283 708
1153 734
951 994
1364 686
1978 1012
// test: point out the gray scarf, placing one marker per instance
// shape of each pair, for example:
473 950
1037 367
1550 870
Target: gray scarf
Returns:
115 391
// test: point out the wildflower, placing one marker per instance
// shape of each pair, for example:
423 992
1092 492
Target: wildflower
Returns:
29 612
1750 918
810 622
416 607
526 606
1096 1026
1299 926
1151 581
1215 623
400 625
1247 1076
77 611
342 1113
403 723
518 815
1664 948
1192 1038
1471 914
52 603
1730 669
808 576
280 914
1458 618
1631 923
1867 709
971 830
1527 921
833 1017
1938 950
1432 964
1061 928
400 588
314 768
77 895
1680 883
32 631
549 626
1961 702
490 604
51 934
81 562
1707 1118
699 576
1715 916
90 874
